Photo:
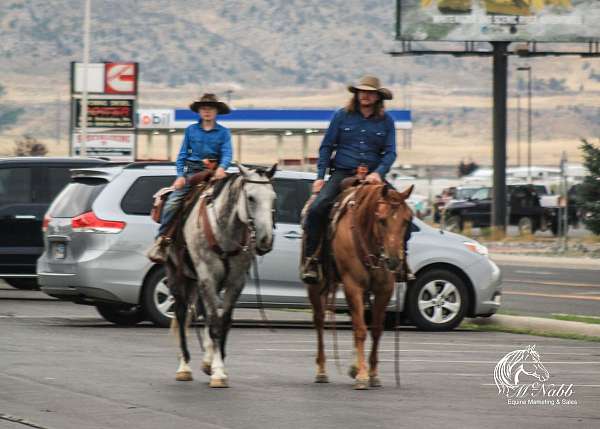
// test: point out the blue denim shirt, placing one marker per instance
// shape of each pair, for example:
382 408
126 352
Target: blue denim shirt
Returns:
358 140
199 144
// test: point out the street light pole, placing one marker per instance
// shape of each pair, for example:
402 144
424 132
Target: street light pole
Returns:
529 118
84 93
518 130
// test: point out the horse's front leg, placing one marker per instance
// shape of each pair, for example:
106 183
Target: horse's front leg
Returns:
354 297
218 378
317 301
180 323
380 303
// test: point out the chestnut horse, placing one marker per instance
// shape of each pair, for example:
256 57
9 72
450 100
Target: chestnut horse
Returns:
367 251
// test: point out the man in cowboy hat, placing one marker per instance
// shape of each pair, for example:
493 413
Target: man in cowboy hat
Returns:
204 140
362 135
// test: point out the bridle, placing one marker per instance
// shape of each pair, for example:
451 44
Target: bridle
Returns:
248 238
381 260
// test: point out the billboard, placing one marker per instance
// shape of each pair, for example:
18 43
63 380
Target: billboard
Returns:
499 20
107 113
116 147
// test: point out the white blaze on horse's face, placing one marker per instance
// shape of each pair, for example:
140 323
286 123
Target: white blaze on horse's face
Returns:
257 202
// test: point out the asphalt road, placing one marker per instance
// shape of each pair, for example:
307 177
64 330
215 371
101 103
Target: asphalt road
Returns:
542 291
62 367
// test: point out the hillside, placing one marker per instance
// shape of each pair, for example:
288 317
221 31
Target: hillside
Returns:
272 53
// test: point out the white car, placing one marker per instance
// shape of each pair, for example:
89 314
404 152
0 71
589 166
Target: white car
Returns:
104 263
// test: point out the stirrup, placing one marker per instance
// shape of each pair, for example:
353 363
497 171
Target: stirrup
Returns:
309 272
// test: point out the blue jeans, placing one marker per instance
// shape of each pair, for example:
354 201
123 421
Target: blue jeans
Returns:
318 213
171 207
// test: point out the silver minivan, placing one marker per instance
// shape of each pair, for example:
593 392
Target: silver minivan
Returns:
98 229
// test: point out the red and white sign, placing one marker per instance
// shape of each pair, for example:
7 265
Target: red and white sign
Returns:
116 147
120 78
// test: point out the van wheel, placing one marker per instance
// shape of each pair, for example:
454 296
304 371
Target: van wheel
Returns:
157 299
121 315
437 301
23 284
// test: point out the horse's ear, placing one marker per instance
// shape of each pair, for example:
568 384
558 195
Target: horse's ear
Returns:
406 193
272 171
243 169
384 190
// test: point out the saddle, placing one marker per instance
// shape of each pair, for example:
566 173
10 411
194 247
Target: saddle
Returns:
199 182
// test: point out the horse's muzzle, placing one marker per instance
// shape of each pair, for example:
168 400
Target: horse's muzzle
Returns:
393 263
264 247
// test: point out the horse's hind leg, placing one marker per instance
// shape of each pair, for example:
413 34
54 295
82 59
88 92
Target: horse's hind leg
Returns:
317 301
354 297
378 316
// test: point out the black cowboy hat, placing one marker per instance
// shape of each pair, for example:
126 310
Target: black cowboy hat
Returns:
212 101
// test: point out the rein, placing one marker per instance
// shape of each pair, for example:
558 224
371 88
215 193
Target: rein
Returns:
370 260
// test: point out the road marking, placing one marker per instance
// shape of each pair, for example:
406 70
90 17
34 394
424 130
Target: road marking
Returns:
552 295
574 385
551 283
540 273
420 351
430 343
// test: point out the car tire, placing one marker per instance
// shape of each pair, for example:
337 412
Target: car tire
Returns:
23 284
121 315
157 299
526 226
428 309
454 224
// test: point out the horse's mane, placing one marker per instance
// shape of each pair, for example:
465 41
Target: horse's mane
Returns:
503 373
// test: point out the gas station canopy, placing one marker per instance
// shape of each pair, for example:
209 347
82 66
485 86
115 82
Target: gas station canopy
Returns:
259 121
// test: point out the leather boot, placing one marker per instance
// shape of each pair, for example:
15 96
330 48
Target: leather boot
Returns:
309 272
158 251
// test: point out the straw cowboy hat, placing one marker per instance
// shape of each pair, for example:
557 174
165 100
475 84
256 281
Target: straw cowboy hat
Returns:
371 83
212 101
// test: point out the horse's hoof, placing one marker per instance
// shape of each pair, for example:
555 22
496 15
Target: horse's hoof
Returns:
361 384
183 376
206 368
321 378
218 382
352 371
374 382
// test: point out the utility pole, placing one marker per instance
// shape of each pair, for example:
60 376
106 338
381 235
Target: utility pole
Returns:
500 58
529 118
86 61
518 129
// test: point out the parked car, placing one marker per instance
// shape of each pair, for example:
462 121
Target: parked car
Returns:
524 210
27 187
99 228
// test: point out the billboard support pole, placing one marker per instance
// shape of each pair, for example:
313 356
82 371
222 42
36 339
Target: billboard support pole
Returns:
500 94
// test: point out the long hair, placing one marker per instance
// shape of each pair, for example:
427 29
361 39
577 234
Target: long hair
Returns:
353 106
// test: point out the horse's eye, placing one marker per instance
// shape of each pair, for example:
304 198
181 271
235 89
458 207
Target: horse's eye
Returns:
251 199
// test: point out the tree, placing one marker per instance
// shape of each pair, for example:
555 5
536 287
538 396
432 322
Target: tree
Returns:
588 193
29 146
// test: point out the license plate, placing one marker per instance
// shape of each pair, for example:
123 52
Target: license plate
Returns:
60 251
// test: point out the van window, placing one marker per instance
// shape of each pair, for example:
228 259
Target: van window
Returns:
77 197
138 199
287 204
15 186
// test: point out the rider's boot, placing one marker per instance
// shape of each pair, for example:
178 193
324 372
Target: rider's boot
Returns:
158 252
309 272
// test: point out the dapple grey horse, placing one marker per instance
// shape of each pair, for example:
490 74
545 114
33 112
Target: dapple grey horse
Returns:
240 215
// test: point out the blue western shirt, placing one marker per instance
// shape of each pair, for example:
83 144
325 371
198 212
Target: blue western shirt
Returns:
358 140
199 144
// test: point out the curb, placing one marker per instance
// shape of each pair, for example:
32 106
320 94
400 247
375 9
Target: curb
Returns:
546 261
539 324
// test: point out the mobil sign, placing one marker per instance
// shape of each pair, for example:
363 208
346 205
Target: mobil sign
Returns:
154 118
